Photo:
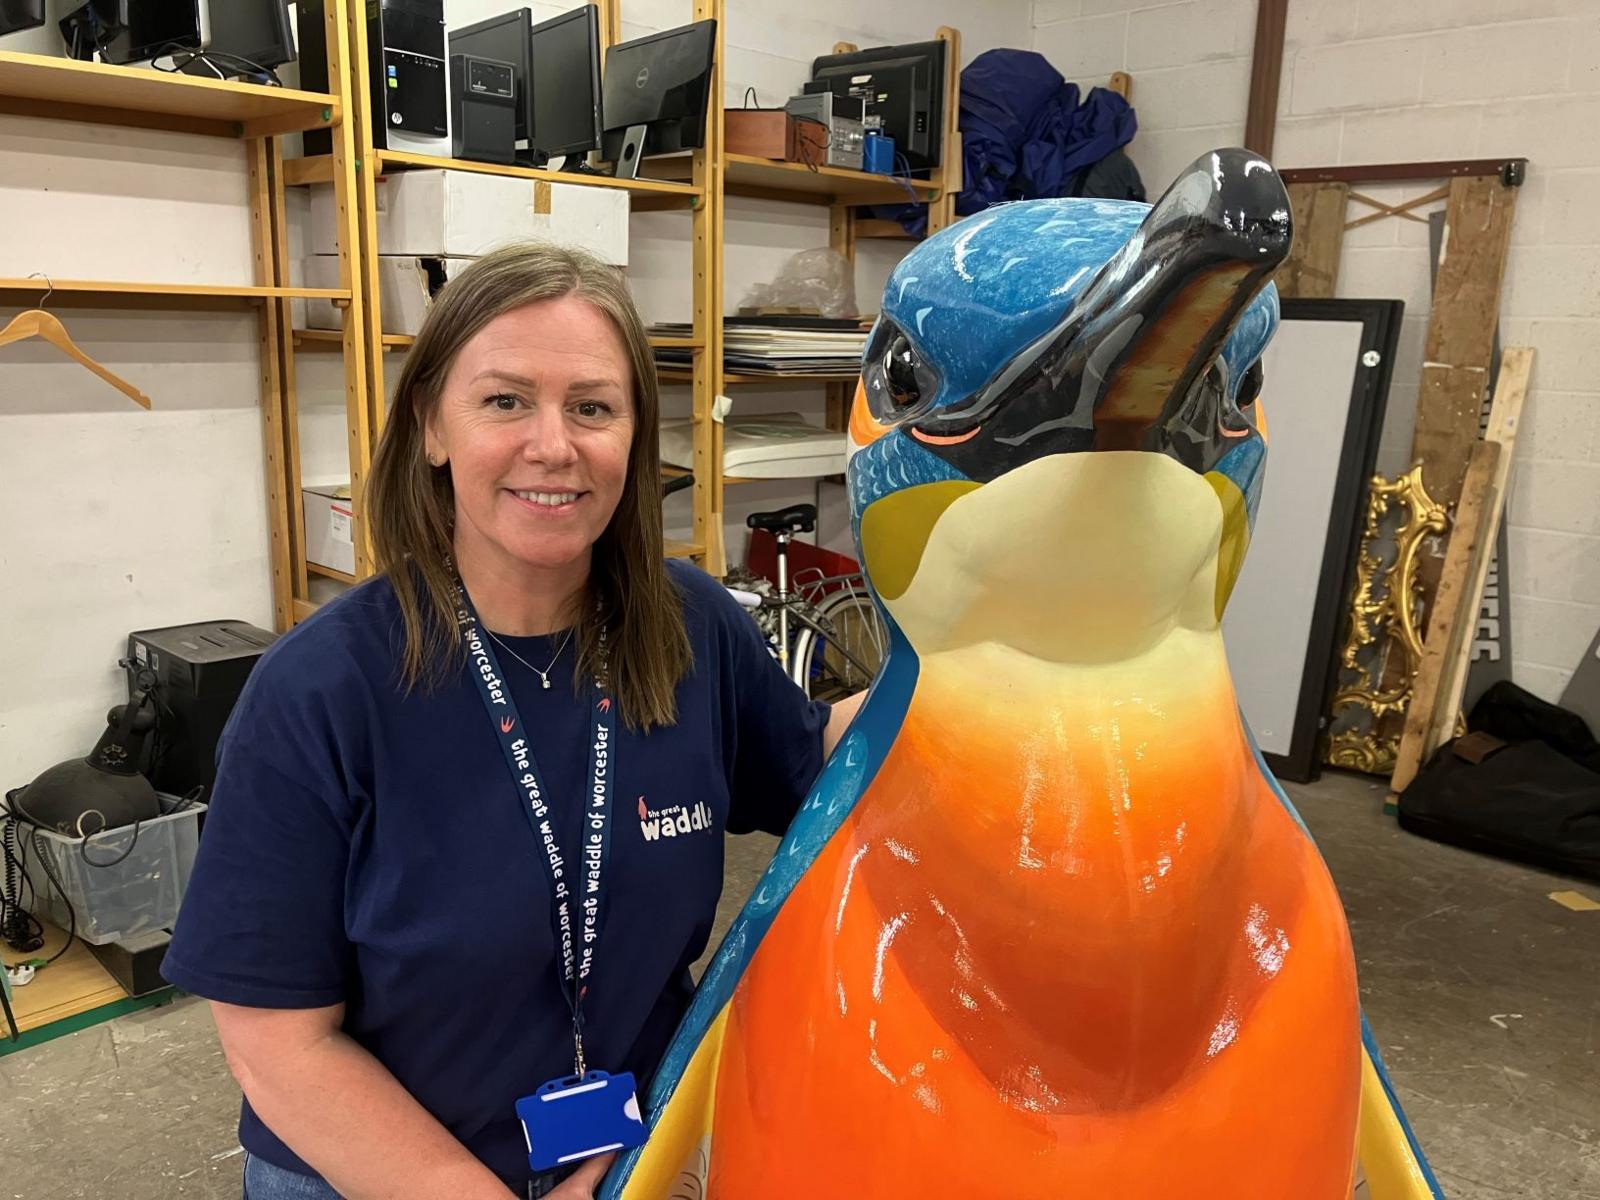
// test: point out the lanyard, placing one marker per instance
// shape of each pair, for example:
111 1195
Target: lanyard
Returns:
578 945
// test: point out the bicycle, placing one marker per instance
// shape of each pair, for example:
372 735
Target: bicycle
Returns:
838 639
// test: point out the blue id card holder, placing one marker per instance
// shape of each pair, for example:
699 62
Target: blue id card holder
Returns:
578 1117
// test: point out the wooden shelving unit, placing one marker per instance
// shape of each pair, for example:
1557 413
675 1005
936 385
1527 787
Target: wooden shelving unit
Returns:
698 183
75 991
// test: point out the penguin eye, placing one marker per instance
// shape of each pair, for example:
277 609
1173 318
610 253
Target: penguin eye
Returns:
900 365
1250 386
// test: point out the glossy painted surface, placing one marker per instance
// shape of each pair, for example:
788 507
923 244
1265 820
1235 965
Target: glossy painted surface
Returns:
1045 926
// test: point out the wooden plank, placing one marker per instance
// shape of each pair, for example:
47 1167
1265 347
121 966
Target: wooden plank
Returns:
1454 611
842 238
116 95
355 168
942 208
1312 268
1266 69
875 228
1122 84
290 400
709 165
1505 414
1461 325
75 983
298 172
270 356
1413 172
197 291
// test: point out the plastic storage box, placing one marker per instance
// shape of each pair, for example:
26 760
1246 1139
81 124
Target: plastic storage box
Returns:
116 899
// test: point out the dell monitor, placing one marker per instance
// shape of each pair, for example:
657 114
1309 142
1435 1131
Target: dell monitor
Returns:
507 38
902 88
246 35
565 56
655 95
157 28
17 15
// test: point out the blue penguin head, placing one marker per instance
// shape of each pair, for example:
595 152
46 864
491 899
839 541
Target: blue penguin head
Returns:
1077 326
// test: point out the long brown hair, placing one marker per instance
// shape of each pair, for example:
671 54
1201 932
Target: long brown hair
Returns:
411 505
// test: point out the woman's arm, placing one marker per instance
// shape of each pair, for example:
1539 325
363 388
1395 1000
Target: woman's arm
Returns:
340 1110
844 711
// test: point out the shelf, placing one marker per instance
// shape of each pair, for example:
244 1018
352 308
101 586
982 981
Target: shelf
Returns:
36 85
313 568
866 228
683 549
765 178
332 339
678 374
660 192
194 291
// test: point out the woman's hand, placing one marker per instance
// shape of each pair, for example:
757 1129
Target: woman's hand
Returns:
580 1185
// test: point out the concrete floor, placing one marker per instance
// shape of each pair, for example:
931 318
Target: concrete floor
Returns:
1485 993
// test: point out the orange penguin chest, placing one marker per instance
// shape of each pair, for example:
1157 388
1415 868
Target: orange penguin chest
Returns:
1051 962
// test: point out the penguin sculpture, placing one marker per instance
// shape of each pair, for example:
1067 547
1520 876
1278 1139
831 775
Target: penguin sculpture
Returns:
1046 927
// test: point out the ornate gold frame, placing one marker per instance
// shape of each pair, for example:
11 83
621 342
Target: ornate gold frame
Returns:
1389 618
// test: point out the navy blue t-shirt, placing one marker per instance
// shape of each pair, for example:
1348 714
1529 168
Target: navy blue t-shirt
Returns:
368 846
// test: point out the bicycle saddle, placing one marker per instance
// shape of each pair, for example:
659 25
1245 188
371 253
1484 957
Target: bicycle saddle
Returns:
802 518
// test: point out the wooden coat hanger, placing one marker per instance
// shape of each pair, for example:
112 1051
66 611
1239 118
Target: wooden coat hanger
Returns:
40 324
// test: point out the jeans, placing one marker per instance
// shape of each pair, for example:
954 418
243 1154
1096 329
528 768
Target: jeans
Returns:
263 1181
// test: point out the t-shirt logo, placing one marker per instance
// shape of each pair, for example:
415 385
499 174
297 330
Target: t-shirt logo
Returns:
675 821
507 724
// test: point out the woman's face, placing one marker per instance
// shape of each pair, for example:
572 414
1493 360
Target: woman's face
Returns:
536 419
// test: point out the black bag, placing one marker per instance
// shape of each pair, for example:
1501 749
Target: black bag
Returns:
1523 785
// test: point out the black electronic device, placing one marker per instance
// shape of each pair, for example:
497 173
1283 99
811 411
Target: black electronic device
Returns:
483 109
902 90
507 38
17 15
91 27
406 69
248 38
194 673
656 89
156 28
564 78
102 790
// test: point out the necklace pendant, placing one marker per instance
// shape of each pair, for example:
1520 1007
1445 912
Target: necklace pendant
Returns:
544 680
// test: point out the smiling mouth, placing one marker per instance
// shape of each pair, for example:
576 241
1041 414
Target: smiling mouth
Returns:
543 499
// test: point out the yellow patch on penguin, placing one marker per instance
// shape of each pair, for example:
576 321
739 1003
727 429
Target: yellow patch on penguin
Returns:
895 529
1235 535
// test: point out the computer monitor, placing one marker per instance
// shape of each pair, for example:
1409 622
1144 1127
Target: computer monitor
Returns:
246 33
902 88
507 38
565 57
159 27
17 15
655 94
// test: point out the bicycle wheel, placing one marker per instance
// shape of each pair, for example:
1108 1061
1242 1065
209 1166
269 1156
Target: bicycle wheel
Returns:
832 667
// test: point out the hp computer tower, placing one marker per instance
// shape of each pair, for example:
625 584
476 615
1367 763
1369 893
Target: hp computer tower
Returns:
407 69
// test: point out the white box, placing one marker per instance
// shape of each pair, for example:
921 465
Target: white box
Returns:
330 515
460 214
406 287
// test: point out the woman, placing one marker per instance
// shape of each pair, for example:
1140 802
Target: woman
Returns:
373 912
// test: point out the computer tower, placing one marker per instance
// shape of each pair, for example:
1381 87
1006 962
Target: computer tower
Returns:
483 109
195 674
406 68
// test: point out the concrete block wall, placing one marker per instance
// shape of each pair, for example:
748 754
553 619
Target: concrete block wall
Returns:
1369 81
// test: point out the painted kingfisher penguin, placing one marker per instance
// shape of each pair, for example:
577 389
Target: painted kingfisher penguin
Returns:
1046 927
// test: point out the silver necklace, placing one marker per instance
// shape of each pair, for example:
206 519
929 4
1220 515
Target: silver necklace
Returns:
544 675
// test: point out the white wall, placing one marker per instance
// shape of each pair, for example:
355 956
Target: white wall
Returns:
116 519
1368 81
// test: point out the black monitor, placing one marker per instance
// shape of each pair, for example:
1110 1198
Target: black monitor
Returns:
902 88
507 38
17 15
565 56
246 34
656 89
157 28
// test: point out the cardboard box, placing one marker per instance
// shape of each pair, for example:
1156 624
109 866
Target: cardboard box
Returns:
406 286
330 540
460 214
